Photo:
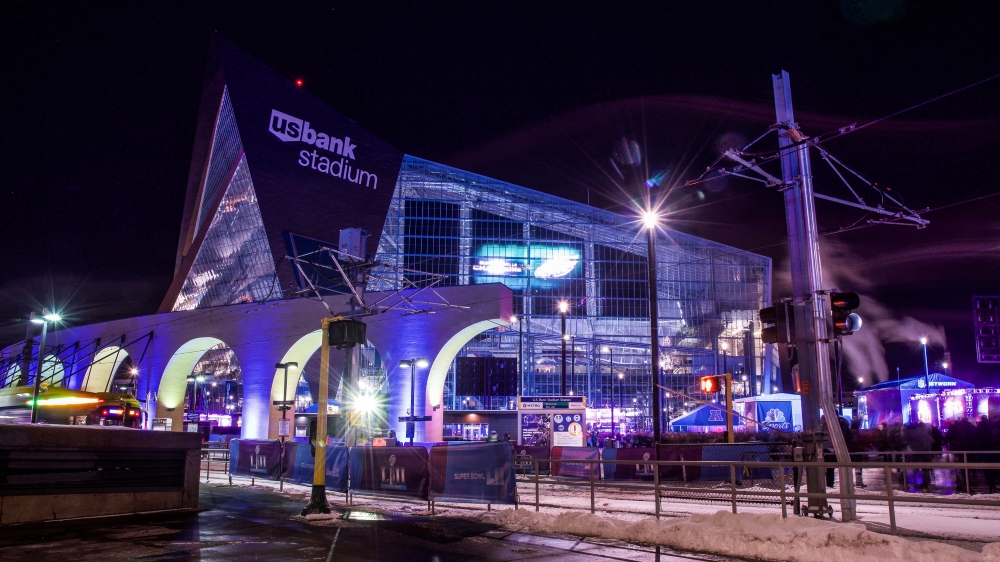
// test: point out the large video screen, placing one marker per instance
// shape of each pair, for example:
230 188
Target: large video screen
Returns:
545 265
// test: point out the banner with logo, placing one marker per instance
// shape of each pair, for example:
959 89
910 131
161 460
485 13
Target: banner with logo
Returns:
298 464
314 170
776 415
532 452
638 471
389 471
576 470
257 458
474 473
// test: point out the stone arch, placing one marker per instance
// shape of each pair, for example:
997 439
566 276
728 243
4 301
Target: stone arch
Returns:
106 362
300 352
53 371
442 362
173 382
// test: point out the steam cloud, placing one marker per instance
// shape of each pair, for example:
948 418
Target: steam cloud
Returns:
864 350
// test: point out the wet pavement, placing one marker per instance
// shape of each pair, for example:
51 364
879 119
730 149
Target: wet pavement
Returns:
240 523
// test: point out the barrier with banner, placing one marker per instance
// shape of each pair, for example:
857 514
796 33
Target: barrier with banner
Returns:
389 471
637 471
733 452
299 461
256 458
575 470
474 473
532 452
681 453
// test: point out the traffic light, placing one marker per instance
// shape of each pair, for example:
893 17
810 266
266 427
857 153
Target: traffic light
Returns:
712 385
777 324
844 321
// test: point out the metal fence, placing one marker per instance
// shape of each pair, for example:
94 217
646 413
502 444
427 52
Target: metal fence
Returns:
778 482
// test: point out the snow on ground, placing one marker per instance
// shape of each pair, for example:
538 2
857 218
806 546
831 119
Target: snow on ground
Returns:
747 535
629 508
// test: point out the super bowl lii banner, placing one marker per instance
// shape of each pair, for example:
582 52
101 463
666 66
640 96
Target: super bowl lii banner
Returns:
389 471
475 473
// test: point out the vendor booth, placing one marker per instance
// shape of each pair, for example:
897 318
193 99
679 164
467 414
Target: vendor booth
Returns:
882 403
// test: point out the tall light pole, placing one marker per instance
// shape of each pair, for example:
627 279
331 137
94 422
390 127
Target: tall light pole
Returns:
44 321
611 371
282 431
621 393
563 310
650 220
412 364
520 351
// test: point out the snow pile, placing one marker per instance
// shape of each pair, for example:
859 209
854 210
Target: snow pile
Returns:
749 535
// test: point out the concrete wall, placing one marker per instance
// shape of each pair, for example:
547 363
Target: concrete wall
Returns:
262 335
20 441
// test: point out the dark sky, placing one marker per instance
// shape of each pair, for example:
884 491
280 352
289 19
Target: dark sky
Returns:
101 100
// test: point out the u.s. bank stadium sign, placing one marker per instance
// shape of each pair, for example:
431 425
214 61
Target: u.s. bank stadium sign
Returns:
329 153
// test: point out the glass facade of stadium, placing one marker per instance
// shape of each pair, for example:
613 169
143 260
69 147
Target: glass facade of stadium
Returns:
473 229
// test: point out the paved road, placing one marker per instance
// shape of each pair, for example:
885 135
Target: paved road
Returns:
251 524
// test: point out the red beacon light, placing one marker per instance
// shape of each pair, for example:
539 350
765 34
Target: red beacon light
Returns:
298 82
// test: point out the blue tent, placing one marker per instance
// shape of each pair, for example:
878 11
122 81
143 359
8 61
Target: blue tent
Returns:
315 407
706 416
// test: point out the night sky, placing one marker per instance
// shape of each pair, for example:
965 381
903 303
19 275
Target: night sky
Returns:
100 102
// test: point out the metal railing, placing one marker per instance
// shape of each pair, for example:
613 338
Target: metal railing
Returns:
218 454
785 491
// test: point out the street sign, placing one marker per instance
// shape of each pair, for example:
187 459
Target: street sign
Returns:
546 402
410 430
284 428
282 402
415 418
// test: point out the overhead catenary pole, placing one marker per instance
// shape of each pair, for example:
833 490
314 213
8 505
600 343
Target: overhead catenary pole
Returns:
318 502
809 303
38 371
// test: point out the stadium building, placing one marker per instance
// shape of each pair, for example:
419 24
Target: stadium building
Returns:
277 174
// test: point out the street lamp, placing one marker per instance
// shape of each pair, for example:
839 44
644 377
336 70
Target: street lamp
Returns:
520 351
411 428
283 431
563 310
621 394
650 219
927 369
44 321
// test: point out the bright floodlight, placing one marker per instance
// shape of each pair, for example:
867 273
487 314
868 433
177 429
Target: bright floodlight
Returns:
513 319
422 363
365 404
563 307
52 317
134 371
200 378
405 363
861 379
724 346
650 219
621 375
923 341
944 365
605 349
